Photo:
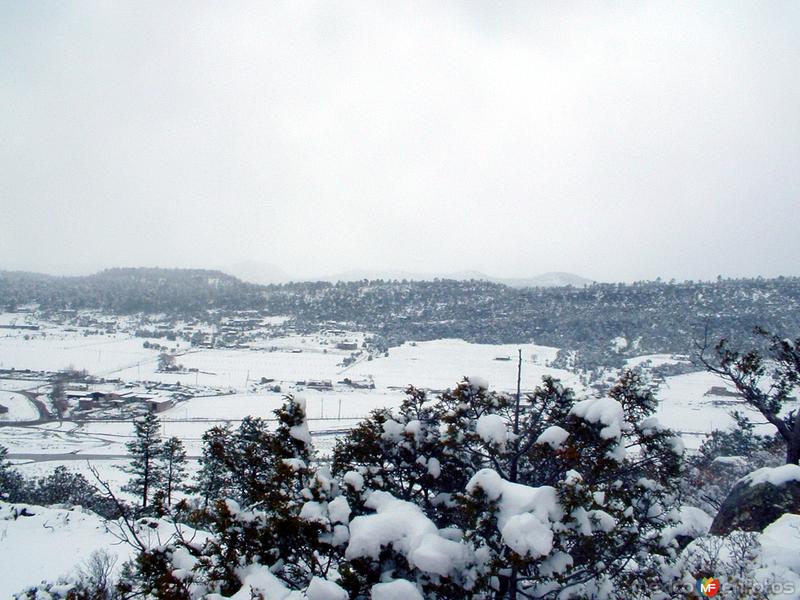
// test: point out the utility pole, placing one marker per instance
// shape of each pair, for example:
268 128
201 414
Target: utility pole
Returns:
513 577
519 392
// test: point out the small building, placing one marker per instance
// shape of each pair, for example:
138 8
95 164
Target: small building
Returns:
86 404
158 405
320 384
718 390
361 384
3 409
347 346
89 400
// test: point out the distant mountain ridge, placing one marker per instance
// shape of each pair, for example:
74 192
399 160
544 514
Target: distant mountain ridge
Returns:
253 271
266 274
550 279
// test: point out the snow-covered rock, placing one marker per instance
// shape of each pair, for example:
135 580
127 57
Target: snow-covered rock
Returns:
758 499
773 475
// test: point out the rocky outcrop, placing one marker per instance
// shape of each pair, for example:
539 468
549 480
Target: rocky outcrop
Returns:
759 499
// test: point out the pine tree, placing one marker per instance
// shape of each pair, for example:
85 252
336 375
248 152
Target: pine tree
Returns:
604 465
173 459
214 476
250 461
146 452
276 511
11 482
765 381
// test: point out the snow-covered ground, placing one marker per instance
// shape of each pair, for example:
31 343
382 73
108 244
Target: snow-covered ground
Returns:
52 543
685 407
19 407
44 544
443 363
34 551
53 350
655 360
288 361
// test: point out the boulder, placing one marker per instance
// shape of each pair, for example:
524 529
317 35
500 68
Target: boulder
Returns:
759 499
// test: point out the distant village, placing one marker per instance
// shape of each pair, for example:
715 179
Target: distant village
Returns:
78 395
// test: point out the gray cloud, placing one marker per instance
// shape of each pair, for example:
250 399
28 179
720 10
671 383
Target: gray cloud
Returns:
623 141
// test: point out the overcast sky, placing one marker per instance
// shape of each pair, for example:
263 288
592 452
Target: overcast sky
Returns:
617 141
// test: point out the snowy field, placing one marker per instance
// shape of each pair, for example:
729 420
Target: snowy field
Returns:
19 407
100 355
654 360
685 407
288 360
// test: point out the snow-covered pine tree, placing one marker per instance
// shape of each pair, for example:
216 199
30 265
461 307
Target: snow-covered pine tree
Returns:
423 504
550 494
400 452
145 468
173 463
11 482
214 477
594 525
279 513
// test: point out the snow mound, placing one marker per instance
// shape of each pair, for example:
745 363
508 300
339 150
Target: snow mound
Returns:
399 589
525 514
554 436
780 543
526 534
515 498
322 589
258 579
355 480
339 510
492 429
478 383
692 522
393 431
404 526
605 411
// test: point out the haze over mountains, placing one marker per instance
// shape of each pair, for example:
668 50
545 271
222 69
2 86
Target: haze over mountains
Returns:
266 273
